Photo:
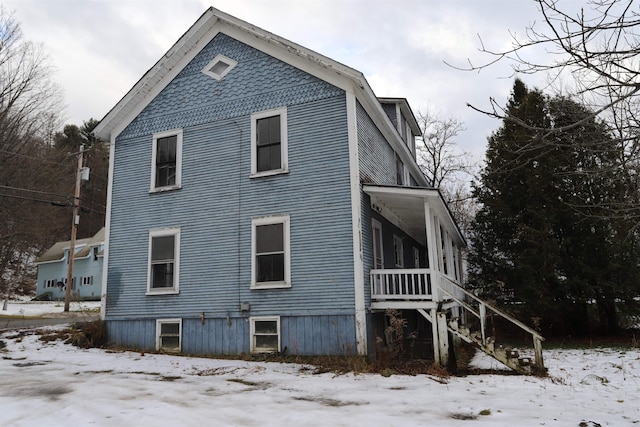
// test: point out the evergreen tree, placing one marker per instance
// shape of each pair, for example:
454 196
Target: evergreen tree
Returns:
539 246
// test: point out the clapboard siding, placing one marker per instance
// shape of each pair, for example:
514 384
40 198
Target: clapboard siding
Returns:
218 199
376 156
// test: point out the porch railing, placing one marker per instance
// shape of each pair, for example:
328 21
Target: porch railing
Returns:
413 283
481 310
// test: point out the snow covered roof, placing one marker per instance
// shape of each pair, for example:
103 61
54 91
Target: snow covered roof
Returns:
57 251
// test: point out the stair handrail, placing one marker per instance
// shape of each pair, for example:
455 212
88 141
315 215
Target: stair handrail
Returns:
494 309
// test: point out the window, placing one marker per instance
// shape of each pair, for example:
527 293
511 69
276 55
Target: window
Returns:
50 283
270 261
398 251
265 334
269 142
168 335
86 281
399 171
219 67
65 280
164 249
416 257
166 160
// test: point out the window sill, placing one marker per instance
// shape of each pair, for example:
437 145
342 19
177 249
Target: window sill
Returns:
170 291
164 189
269 173
270 285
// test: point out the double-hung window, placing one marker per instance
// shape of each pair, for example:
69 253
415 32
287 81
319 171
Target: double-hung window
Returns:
400 175
164 256
398 251
269 142
166 160
271 260
265 334
169 335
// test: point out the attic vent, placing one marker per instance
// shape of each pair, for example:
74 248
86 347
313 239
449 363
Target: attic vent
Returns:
219 67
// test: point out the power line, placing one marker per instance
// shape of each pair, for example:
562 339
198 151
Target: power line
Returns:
34 191
34 158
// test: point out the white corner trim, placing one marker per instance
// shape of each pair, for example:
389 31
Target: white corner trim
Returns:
107 230
356 221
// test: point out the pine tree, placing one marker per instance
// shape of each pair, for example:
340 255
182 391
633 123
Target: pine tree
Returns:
540 243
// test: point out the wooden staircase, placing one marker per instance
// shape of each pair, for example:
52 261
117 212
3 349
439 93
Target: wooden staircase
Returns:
471 325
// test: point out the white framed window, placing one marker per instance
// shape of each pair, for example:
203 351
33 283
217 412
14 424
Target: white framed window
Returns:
164 261
270 252
378 247
265 334
400 173
65 280
166 161
50 283
86 280
219 67
269 147
398 251
169 335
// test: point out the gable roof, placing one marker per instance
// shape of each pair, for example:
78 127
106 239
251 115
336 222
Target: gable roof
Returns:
214 21
57 251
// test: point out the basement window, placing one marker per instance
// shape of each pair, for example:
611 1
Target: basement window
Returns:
265 334
168 335
219 67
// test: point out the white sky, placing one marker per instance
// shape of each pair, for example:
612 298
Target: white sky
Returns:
55 384
102 47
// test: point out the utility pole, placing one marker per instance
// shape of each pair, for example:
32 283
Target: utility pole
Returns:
74 229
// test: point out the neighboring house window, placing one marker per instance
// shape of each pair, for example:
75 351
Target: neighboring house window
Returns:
219 67
271 260
169 335
95 253
399 171
398 251
166 160
86 281
265 334
164 255
73 283
269 142
50 283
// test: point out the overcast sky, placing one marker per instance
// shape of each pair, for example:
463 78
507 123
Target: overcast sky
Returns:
101 48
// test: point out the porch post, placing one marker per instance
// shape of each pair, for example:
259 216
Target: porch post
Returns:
443 338
434 332
432 251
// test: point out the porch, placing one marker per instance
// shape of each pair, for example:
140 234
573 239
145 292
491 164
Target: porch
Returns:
433 287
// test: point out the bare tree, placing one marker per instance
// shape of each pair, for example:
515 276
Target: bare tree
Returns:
29 173
591 51
445 166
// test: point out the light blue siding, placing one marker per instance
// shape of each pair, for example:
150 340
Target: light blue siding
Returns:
300 335
58 271
218 200
376 156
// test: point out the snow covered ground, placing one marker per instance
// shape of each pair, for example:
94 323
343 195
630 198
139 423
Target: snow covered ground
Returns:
26 308
56 384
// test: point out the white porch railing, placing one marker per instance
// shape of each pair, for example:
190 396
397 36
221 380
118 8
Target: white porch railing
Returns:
404 284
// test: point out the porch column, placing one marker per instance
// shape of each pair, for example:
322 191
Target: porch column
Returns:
432 251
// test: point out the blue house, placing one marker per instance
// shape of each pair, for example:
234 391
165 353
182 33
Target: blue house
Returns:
53 267
263 199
